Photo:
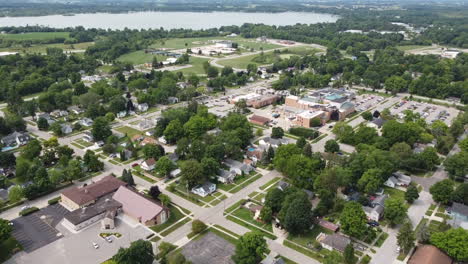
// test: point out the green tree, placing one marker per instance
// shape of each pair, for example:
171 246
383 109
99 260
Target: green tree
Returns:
31 150
454 242
139 252
266 214
301 142
164 166
298 214
210 166
457 165
307 150
74 170
411 194
395 210
164 249
370 181
5 230
353 220
367 116
15 194
191 173
277 132
460 195
101 129
164 199
406 237
174 131
348 255
331 146
42 124
250 249
198 226
154 151
395 84
177 258
441 192
274 199
282 155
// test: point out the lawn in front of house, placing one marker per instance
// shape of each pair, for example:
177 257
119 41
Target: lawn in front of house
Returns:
308 238
130 132
175 215
247 216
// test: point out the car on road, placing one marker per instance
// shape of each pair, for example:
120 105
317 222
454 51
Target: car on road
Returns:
398 249
134 165
25 207
373 223
95 245
109 239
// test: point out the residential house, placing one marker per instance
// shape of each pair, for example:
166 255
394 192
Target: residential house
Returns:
137 138
88 136
149 164
86 122
162 140
398 179
429 254
282 185
99 144
175 173
59 113
373 213
78 197
75 110
148 141
173 157
273 142
238 167
47 117
16 139
377 123
334 241
125 154
391 182
259 120
172 100
140 208
204 189
142 107
225 176
121 114
328 225
459 214
66 129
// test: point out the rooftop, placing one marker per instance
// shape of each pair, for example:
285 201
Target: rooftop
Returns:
428 254
137 205
102 205
93 191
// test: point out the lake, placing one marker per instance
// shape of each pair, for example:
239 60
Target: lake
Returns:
168 20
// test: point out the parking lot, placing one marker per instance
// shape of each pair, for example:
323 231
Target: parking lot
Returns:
430 112
366 101
78 248
209 249
38 229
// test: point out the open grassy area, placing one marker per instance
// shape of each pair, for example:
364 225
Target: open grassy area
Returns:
394 193
129 131
251 227
197 66
140 57
411 47
176 226
308 238
242 62
309 253
182 43
246 215
272 181
175 216
43 47
36 36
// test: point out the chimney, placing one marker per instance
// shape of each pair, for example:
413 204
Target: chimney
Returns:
86 191
83 210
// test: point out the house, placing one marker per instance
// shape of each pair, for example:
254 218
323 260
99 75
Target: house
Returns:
224 44
377 123
59 113
429 254
459 214
137 137
328 225
75 110
85 216
99 144
125 154
148 141
205 189
47 117
173 157
273 142
175 173
373 213
391 182
87 136
149 164
172 100
66 129
259 120
238 167
334 241
403 180
142 107
379 200
86 122
145 124
16 139
162 140
121 114
282 185
78 197
140 208
225 176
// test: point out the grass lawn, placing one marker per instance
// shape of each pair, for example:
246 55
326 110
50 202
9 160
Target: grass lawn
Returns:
242 62
411 47
174 227
197 66
129 131
275 180
309 253
179 43
175 216
246 183
8 248
395 193
36 36
381 239
246 215
251 227
140 57
309 237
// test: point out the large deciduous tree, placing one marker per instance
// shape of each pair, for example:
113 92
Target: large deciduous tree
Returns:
250 249
353 220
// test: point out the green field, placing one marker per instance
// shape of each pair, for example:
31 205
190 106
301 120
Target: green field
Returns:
42 48
197 66
182 43
130 132
242 62
36 36
140 57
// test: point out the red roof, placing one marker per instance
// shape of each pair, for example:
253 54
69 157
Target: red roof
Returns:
93 191
259 119
328 225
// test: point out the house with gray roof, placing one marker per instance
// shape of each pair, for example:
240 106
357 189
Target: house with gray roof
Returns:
238 167
335 241
225 176
204 189
16 139
459 214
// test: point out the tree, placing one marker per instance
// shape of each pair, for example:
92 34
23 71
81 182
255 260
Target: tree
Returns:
395 210
74 170
92 162
298 214
212 72
406 237
277 132
42 123
154 151
164 249
5 230
174 131
154 192
164 166
128 177
274 199
307 150
101 128
367 116
140 251
15 194
164 199
411 194
457 165
348 255
395 84
191 173
198 226
460 195
441 192
301 142
31 150
353 220
370 181
266 214
331 146
453 242
250 249
210 166
177 258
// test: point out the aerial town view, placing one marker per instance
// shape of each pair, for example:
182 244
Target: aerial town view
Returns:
233 132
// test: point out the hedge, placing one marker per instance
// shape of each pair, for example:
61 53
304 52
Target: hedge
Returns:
54 200
28 211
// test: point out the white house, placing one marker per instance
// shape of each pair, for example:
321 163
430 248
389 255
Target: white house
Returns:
175 173
16 139
391 182
149 164
121 114
238 167
204 190
225 176
88 136
87 122
162 140
66 128
224 44
273 142
373 213
142 107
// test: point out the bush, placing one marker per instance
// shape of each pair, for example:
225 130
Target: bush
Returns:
304 132
53 201
198 226
28 211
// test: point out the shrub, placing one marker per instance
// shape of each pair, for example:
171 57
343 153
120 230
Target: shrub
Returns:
198 226
28 211
53 201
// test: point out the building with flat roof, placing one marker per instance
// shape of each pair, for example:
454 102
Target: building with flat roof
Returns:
259 120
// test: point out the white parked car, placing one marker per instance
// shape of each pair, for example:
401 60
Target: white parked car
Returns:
95 245
108 239
398 249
